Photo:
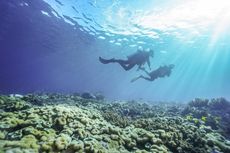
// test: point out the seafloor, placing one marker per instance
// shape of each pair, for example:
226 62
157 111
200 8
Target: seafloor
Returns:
85 123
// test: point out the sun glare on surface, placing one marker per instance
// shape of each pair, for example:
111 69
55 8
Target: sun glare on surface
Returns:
195 16
185 20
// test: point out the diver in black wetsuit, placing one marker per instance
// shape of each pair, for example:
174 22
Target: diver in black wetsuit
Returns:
138 58
161 72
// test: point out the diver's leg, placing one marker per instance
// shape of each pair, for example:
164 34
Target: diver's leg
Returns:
106 61
146 78
125 64
141 76
128 67
121 62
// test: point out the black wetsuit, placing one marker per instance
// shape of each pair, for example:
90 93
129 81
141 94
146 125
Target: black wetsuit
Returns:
162 71
139 58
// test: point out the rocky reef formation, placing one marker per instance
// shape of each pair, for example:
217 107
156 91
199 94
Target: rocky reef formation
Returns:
70 123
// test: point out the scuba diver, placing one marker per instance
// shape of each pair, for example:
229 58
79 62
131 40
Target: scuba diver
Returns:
140 57
161 72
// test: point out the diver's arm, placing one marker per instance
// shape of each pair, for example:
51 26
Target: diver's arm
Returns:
148 62
140 67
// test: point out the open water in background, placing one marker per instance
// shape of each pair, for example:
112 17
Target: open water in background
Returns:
54 45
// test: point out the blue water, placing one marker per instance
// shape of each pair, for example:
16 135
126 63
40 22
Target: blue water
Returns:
54 45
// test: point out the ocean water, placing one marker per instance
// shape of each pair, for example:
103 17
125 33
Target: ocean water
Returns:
57 97
54 45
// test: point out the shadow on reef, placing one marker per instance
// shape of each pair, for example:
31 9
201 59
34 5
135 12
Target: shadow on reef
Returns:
71 123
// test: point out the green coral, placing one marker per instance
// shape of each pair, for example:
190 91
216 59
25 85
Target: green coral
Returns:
62 141
11 104
87 128
27 142
204 118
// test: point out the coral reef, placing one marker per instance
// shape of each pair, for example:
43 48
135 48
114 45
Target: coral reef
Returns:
214 113
69 123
